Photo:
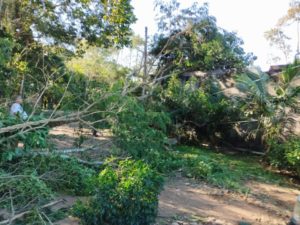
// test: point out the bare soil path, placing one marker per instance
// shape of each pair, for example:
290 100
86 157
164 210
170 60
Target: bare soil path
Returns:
193 202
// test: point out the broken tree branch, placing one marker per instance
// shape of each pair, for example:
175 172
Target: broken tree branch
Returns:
20 215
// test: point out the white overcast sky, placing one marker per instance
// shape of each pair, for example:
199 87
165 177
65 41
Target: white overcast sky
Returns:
249 18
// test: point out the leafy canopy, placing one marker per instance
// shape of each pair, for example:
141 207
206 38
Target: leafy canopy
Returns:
191 40
101 22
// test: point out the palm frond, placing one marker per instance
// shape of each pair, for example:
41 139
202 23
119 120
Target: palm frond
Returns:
254 84
288 75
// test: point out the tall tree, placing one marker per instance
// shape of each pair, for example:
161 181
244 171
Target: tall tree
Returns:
292 15
276 35
40 34
191 40
101 22
277 38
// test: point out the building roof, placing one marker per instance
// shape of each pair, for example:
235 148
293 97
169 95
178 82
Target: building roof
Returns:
275 69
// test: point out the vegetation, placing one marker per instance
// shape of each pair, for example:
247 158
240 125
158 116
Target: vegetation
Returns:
225 171
102 23
199 111
270 109
61 58
286 155
127 195
190 41
142 133
277 36
32 181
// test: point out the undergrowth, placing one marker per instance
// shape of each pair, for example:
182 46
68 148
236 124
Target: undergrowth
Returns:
223 170
28 183
285 155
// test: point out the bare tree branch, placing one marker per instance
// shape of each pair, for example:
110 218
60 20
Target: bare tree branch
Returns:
20 215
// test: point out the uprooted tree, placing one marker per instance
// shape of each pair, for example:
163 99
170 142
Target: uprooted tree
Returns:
190 40
47 60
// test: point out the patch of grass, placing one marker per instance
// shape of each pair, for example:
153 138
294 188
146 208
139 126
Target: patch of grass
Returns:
225 171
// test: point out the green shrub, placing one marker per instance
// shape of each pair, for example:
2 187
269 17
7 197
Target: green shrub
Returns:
292 149
58 173
142 133
197 168
67 174
127 195
276 154
285 155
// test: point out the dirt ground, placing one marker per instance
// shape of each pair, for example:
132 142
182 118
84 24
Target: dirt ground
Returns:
192 201
185 201
188 202
70 137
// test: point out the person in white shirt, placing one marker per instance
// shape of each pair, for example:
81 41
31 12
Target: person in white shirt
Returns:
17 110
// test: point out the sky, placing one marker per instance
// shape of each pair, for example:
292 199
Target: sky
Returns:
249 18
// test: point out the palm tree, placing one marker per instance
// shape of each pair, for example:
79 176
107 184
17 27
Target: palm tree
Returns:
271 111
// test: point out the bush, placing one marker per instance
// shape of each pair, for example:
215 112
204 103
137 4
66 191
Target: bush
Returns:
127 195
285 155
66 174
292 149
197 168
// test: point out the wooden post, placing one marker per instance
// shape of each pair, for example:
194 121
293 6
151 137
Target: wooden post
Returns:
145 59
145 52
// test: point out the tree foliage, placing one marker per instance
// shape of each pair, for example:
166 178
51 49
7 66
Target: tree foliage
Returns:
103 23
191 40
199 112
276 35
127 195
277 38
271 111
97 64
292 14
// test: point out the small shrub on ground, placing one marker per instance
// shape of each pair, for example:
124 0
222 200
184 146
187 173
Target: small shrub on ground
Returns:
197 168
292 150
285 155
127 195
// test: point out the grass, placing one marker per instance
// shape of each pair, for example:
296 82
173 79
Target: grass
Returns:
225 171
